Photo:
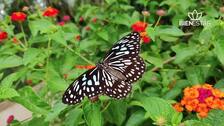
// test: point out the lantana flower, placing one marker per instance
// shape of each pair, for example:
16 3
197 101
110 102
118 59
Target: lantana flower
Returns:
201 99
51 12
18 16
3 36
85 67
141 28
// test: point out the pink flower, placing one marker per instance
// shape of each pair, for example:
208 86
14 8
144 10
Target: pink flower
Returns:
66 18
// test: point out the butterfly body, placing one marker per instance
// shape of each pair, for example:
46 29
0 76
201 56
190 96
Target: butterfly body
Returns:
113 76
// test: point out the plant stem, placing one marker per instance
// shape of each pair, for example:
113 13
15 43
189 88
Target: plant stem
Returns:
48 56
24 35
165 62
78 54
105 108
157 22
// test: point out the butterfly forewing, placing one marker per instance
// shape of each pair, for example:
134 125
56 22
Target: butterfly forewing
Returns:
88 84
126 47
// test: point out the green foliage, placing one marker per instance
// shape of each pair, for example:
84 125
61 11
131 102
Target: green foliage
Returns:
38 63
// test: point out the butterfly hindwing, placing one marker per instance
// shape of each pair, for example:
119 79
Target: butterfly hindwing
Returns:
135 70
88 84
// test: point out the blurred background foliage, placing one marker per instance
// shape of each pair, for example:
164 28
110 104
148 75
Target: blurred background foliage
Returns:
177 57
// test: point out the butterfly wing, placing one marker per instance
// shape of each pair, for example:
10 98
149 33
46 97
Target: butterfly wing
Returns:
88 84
135 70
114 87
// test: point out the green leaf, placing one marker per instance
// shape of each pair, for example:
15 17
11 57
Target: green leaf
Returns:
215 118
59 37
151 32
54 80
42 25
116 112
55 111
6 92
8 80
157 109
36 121
158 62
103 34
30 55
74 117
10 61
169 31
29 99
184 53
194 123
136 118
195 74
1 75
219 50
93 115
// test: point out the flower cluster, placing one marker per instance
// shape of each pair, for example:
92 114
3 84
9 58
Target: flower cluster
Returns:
84 67
3 36
201 99
18 16
140 27
50 12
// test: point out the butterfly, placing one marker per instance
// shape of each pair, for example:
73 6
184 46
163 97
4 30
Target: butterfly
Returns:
113 76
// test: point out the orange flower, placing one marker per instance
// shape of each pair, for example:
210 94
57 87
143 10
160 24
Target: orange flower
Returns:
139 26
178 107
50 12
18 16
217 103
191 93
207 86
209 101
142 34
202 107
203 114
84 67
192 105
217 93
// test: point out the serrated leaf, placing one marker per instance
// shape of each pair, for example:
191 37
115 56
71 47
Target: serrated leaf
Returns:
116 112
93 115
215 118
6 92
30 55
59 37
8 80
157 108
103 34
195 123
41 25
219 50
10 61
74 117
54 80
136 118
55 111
29 99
